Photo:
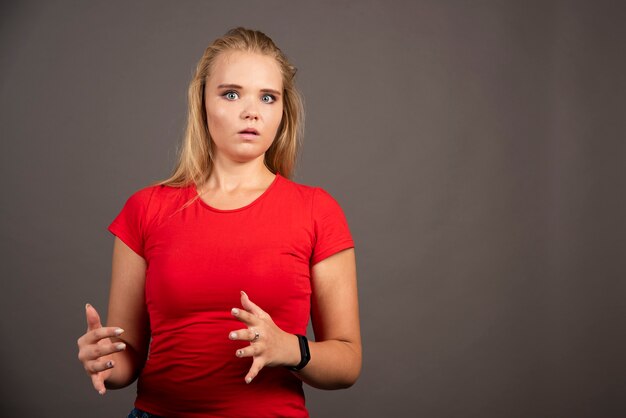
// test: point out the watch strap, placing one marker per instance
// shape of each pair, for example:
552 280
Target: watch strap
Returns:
305 354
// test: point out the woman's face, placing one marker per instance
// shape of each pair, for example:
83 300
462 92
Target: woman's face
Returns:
244 105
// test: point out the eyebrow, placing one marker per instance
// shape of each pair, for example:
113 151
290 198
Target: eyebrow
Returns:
237 86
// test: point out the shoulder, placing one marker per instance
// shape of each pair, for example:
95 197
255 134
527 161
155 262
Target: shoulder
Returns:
329 228
150 203
292 186
305 190
157 192
318 198
139 199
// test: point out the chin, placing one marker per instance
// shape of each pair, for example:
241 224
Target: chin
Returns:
246 158
252 154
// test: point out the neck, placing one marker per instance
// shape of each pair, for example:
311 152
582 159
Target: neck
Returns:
233 176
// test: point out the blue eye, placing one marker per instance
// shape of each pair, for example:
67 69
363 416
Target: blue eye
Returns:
268 98
231 95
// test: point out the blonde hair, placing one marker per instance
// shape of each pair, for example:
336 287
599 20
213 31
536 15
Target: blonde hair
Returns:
195 158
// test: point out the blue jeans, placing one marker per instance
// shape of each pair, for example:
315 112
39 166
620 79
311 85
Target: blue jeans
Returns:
138 413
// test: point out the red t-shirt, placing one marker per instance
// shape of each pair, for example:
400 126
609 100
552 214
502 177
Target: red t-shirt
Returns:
198 259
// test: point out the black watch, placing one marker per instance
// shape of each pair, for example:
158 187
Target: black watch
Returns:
305 354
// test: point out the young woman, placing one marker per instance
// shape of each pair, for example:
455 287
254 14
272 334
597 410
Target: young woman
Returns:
217 269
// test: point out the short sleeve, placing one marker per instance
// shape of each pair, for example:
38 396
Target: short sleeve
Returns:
330 226
130 223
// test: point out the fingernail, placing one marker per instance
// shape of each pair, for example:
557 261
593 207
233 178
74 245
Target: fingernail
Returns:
101 392
119 331
120 346
109 364
235 311
239 353
87 306
248 380
232 335
244 293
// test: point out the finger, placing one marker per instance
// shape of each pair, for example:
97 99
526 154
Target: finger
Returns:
98 334
96 351
250 306
98 384
97 366
249 351
246 334
244 316
257 365
93 337
93 319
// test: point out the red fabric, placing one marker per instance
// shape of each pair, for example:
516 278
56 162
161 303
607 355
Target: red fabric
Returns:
198 259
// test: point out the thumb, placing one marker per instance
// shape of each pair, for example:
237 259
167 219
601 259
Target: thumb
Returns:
93 319
249 306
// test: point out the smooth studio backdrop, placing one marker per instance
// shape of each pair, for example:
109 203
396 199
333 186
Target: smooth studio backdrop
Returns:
477 148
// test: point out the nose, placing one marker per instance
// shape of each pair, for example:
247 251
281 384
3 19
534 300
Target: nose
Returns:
250 111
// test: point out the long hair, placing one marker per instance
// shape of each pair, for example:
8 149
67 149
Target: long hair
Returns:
195 157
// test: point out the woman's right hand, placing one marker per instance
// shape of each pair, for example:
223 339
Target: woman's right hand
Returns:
95 349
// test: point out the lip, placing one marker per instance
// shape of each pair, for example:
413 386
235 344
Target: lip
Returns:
249 131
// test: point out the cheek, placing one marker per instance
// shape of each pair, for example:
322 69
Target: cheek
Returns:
216 119
275 117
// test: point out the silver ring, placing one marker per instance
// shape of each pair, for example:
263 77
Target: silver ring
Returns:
257 335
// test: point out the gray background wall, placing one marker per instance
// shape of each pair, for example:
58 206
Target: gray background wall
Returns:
477 149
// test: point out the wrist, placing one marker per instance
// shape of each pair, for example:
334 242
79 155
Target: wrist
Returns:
304 355
293 357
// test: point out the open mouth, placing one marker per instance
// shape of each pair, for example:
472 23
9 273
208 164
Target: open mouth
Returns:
249 131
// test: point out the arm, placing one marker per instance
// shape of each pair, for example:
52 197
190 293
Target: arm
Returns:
127 310
113 355
336 353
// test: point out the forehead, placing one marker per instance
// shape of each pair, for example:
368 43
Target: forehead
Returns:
247 69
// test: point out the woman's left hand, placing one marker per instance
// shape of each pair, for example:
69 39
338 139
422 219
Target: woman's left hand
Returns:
269 345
